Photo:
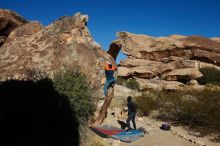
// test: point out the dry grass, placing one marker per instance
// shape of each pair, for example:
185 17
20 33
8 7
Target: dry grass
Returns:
95 141
130 83
197 109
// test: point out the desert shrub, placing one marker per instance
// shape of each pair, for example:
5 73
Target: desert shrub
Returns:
146 103
210 75
130 83
121 81
74 85
197 109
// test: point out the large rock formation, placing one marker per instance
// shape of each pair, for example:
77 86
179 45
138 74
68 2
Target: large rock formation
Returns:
172 58
31 49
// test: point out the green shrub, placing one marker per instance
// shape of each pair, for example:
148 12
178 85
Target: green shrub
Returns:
197 109
130 83
74 85
121 81
145 103
210 75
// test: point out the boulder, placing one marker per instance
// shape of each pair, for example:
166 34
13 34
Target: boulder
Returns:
157 49
173 85
122 92
158 84
193 82
149 84
33 50
133 62
183 74
143 68
171 58
123 71
204 65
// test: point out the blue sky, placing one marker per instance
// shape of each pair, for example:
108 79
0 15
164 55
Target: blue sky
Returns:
106 17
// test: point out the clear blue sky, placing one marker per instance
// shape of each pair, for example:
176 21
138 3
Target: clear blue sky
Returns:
106 17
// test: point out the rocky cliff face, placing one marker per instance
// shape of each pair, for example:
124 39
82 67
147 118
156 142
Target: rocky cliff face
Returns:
174 58
29 49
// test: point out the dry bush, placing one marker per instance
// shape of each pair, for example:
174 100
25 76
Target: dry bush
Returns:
210 76
130 83
196 109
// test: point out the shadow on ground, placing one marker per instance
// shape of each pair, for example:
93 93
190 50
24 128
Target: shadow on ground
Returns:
34 114
142 129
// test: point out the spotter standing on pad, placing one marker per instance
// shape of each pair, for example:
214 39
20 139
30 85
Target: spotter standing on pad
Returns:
132 110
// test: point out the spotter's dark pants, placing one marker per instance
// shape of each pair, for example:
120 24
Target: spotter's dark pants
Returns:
131 117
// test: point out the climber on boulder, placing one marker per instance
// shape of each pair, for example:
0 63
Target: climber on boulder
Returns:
109 73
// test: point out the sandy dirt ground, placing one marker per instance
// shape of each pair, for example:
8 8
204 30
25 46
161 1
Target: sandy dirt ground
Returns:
154 136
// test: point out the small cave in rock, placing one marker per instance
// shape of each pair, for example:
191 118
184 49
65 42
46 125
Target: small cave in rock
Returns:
203 59
35 114
144 75
184 81
5 31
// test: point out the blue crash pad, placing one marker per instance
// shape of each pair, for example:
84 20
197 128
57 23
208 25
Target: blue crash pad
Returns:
128 136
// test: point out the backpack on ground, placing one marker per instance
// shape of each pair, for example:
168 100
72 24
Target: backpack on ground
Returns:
165 127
